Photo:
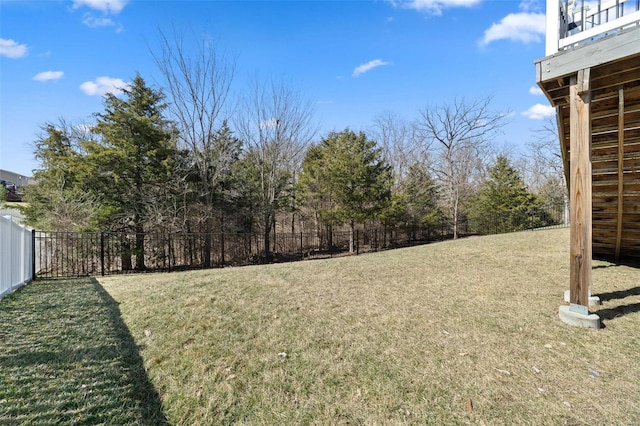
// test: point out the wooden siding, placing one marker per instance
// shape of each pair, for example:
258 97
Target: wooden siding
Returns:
615 151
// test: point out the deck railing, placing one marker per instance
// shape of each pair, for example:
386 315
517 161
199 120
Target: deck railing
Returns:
16 255
571 23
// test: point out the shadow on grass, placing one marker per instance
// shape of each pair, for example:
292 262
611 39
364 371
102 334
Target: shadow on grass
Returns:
618 311
621 294
621 310
67 357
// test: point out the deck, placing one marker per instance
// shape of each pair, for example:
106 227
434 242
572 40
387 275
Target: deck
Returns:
599 56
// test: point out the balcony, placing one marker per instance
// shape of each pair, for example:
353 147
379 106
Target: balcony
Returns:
591 75
577 22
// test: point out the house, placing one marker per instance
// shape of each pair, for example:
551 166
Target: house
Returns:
591 75
17 179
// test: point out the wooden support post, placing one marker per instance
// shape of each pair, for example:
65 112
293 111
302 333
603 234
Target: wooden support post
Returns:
620 170
580 159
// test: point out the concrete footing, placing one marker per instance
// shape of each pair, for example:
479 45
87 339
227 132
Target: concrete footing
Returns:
578 319
593 300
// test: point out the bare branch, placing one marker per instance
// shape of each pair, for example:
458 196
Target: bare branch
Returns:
458 135
401 143
276 124
198 79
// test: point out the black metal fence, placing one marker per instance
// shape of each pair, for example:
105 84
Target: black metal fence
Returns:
68 254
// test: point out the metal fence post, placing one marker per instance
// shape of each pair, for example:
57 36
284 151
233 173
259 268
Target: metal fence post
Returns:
102 253
222 249
169 250
33 254
531 219
58 253
375 240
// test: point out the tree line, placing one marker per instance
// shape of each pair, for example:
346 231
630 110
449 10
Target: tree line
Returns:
187 158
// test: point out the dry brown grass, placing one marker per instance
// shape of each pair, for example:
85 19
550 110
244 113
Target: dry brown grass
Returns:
460 332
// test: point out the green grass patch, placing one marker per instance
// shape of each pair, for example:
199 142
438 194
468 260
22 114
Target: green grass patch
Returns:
66 357
460 332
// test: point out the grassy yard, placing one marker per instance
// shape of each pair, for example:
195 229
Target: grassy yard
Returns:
67 358
460 332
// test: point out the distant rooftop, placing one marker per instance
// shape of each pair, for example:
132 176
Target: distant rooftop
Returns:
17 179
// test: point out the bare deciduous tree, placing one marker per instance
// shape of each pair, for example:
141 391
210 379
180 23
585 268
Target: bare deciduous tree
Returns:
198 80
545 169
275 123
400 142
458 135
544 152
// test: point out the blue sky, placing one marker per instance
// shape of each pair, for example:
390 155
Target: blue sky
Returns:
354 59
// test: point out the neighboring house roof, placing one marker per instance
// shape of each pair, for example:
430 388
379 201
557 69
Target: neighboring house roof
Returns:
17 179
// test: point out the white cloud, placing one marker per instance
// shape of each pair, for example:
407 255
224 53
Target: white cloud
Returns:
523 27
535 90
106 6
48 75
12 49
268 124
532 6
539 112
103 85
361 69
92 22
433 6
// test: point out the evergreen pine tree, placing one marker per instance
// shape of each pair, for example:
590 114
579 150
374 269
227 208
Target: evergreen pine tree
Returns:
132 160
348 173
503 203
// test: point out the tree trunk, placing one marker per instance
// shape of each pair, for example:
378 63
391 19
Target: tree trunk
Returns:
126 254
222 238
455 221
267 239
189 245
317 225
140 247
352 231
273 231
207 243
384 238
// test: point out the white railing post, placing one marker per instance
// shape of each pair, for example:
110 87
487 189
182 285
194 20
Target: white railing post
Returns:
553 26
571 23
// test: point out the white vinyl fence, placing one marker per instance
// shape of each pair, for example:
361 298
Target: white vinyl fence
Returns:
16 255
